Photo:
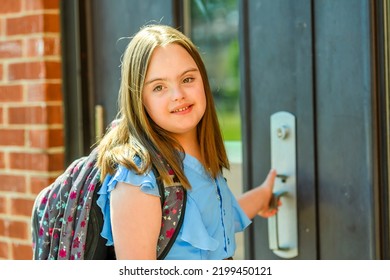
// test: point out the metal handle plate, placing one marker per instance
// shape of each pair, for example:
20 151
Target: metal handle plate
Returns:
283 227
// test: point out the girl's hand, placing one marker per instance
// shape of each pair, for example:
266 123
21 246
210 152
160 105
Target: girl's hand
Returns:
257 201
267 191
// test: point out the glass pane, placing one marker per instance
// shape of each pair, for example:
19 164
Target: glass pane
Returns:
213 27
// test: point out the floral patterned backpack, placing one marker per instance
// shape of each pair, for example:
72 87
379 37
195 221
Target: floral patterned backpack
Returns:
66 221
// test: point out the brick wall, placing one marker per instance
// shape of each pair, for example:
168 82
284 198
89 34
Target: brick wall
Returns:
31 121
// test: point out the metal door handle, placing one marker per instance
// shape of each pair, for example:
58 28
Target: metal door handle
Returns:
99 121
283 227
275 199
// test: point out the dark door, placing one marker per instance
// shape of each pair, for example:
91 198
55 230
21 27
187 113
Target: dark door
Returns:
314 60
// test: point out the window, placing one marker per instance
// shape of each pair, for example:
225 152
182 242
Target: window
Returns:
213 27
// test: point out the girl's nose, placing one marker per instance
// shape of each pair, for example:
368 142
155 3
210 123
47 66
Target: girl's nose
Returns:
177 94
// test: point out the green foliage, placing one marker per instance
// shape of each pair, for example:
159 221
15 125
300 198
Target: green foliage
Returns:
230 126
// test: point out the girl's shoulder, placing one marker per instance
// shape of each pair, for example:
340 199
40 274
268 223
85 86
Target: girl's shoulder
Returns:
146 181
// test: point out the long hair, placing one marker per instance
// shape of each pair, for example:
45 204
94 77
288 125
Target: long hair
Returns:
137 135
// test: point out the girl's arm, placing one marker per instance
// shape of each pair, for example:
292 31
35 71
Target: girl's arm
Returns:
256 201
136 222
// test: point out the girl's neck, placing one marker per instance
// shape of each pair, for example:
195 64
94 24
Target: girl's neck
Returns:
191 146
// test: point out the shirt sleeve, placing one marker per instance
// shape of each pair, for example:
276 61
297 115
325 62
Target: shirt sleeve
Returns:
241 220
147 183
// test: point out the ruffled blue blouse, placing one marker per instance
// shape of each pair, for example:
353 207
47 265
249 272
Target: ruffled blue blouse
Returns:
212 215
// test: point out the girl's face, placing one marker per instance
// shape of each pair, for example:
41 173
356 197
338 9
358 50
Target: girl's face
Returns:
173 93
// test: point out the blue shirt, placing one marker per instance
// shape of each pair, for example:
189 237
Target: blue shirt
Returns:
212 214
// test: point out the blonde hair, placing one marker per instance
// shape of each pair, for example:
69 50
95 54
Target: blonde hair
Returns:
135 133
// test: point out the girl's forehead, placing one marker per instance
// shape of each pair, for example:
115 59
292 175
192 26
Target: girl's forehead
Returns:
171 47
169 57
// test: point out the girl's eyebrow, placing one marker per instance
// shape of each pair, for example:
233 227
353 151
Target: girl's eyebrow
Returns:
164 79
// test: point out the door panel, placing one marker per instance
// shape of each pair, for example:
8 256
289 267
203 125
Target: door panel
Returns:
344 130
313 59
277 63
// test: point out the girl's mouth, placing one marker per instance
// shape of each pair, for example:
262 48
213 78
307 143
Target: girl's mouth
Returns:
181 109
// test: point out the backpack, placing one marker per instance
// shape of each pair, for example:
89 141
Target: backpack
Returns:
66 220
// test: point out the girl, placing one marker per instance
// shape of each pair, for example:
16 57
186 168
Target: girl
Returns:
167 112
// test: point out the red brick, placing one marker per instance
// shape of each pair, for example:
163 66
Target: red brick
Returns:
31 24
46 138
1 115
37 162
21 252
56 162
27 115
10 49
44 92
1 69
25 161
13 183
4 249
3 227
42 4
21 206
10 6
2 160
3 205
36 115
14 229
43 47
11 137
38 138
56 137
55 115
18 229
26 70
11 93
53 70
34 70
37 184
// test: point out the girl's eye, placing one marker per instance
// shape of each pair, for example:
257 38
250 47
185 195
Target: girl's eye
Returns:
158 88
188 80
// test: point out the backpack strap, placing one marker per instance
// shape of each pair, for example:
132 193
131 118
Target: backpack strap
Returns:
173 202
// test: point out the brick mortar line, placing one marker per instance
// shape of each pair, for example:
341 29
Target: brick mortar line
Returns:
42 174
29 173
26 37
36 35
14 218
22 104
30 82
32 126
13 195
26 59
24 12
23 37
30 150
13 240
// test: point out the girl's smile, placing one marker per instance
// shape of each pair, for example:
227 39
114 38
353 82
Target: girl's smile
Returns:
183 110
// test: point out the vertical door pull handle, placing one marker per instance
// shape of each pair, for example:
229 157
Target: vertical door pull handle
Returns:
275 199
273 223
99 121
283 227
